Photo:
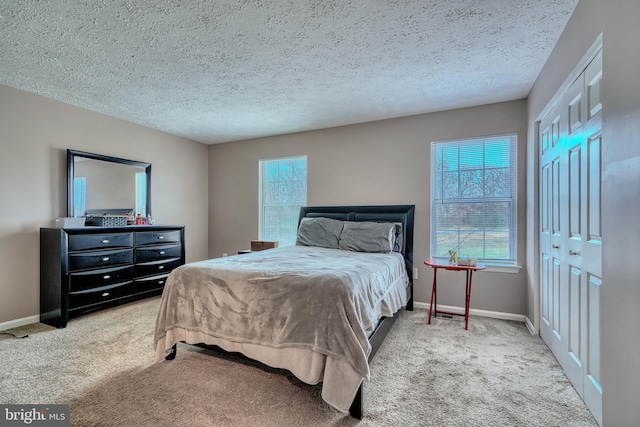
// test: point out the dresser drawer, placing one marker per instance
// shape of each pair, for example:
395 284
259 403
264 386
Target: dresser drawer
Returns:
95 259
81 242
150 283
102 277
158 252
99 295
155 237
157 267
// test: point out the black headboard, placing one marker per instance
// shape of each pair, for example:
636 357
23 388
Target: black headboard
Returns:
386 213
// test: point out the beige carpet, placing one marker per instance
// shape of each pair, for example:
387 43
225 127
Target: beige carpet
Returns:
102 364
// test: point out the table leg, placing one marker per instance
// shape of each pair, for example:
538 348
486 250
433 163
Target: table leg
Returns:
433 295
468 299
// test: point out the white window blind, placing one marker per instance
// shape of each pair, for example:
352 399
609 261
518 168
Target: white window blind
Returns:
474 198
283 190
79 196
141 194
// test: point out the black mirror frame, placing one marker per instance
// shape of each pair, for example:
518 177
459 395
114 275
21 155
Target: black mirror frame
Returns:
72 154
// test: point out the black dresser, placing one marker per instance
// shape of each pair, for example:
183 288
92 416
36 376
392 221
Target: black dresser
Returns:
87 269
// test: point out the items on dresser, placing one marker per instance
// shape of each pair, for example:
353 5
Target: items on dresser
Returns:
69 222
87 269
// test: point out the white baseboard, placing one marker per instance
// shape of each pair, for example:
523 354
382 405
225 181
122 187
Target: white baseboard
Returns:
532 329
475 312
421 305
19 322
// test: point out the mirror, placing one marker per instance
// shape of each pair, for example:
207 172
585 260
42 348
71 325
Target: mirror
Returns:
98 184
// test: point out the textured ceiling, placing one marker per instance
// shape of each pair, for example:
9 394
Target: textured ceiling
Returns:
218 71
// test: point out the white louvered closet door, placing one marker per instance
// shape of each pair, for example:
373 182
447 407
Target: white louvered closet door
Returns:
570 232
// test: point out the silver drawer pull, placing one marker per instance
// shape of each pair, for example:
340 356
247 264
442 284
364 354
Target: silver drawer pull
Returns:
105 259
106 277
161 252
574 253
105 241
161 237
555 246
160 282
161 267
106 294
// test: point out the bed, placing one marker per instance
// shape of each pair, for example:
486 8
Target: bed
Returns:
319 309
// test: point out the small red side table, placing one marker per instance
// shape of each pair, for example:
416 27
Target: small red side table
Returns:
433 306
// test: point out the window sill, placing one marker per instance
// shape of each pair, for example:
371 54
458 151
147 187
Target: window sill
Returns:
502 268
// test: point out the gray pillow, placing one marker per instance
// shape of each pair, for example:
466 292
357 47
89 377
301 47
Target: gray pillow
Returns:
323 232
367 236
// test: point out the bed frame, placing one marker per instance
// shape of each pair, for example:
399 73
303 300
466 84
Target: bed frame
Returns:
394 213
403 214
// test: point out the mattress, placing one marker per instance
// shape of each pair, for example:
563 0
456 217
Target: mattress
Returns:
305 309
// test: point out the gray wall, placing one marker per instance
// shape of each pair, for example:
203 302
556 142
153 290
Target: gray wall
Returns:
383 162
35 133
619 22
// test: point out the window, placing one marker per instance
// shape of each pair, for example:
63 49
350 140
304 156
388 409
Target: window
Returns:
79 196
141 194
474 199
283 190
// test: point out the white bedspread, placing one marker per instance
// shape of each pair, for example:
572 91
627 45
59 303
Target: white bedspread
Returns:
305 309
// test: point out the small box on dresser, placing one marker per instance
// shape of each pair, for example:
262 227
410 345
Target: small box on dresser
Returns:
91 268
